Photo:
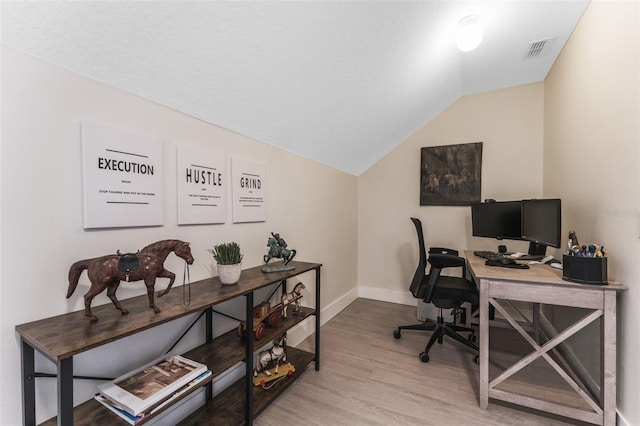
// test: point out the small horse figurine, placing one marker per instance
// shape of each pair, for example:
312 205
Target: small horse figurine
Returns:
274 355
106 272
278 249
293 297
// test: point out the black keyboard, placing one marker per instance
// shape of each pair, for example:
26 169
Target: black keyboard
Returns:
530 257
489 255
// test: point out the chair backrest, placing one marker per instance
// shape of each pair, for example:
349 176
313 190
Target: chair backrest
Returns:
423 284
416 287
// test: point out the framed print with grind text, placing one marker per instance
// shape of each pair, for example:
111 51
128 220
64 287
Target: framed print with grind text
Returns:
249 188
450 175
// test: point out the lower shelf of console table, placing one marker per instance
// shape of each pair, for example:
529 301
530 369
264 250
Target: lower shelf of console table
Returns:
219 354
228 407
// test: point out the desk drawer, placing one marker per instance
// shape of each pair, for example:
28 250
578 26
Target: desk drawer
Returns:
550 294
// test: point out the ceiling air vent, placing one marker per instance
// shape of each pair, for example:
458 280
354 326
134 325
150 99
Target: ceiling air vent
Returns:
538 48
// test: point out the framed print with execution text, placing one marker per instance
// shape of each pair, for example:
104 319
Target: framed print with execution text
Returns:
122 178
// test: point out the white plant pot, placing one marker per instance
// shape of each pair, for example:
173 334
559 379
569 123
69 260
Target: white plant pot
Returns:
229 274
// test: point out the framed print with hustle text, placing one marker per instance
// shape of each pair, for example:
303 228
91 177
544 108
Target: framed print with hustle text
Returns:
202 185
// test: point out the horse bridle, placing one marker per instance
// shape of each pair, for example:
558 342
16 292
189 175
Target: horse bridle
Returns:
186 281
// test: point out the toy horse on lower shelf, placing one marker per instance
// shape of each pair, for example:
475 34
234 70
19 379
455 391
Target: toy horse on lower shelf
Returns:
106 272
274 355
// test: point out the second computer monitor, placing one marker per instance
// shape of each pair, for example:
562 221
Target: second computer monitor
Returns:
541 222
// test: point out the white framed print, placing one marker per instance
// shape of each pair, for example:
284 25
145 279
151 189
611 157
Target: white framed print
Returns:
201 186
122 178
249 188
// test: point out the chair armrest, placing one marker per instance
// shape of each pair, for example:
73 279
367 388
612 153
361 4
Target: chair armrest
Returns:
441 261
443 250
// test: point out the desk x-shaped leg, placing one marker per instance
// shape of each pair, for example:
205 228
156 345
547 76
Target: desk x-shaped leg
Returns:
542 352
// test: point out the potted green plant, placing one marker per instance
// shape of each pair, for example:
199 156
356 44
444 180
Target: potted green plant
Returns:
229 260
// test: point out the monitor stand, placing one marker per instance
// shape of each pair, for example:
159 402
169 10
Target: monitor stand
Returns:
537 251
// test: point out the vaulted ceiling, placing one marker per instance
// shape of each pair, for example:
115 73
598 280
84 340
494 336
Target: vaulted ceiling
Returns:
340 82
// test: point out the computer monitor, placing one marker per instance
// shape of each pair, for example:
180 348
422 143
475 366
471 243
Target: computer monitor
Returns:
541 223
496 219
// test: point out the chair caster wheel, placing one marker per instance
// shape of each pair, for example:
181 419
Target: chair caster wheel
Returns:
473 338
424 357
476 359
396 334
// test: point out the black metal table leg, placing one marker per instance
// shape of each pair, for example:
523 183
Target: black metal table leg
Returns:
249 360
208 331
317 358
65 392
28 385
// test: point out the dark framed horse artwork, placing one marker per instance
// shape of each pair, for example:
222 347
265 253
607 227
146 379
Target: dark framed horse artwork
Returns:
108 271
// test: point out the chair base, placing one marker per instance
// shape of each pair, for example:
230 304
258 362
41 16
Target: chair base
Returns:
440 329
452 330
428 325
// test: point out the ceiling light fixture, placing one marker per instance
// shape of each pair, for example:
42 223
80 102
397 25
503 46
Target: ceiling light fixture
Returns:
469 33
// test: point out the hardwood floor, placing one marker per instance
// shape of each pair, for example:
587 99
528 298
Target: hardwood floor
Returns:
368 377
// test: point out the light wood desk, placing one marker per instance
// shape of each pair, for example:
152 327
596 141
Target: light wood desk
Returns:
542 284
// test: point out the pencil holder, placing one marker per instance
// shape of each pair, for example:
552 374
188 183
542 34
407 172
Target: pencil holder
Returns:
585 270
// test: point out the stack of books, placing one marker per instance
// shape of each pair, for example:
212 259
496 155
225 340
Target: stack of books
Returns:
146 390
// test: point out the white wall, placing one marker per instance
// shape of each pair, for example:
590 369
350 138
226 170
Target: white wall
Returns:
575 136
509 123
311 205
539 140
592 159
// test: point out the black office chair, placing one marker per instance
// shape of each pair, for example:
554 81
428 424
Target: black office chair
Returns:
444 292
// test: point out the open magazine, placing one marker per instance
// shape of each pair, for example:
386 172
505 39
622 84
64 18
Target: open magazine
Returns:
134 420
140 390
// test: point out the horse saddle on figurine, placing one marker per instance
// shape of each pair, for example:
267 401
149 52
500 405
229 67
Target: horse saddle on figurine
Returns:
128 262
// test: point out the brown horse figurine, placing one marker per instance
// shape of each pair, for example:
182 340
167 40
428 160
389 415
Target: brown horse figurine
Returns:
104 272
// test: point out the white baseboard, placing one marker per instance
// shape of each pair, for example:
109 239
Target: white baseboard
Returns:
621 421
423 310
306 328
393 296
295 335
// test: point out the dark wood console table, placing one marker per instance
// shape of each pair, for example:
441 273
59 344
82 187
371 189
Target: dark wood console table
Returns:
61 337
